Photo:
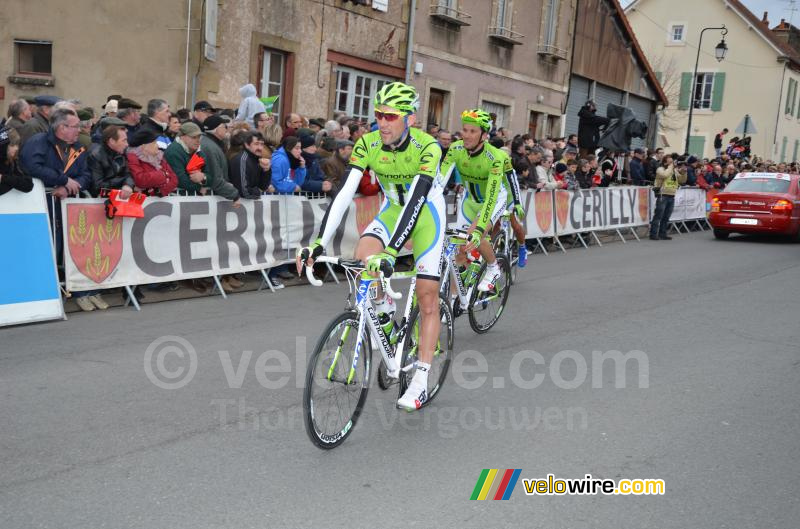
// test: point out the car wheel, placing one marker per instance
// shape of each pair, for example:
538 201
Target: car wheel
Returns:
719 234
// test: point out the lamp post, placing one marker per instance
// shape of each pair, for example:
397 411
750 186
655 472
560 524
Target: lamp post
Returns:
719 52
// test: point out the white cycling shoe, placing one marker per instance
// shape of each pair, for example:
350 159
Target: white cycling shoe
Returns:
490 278
414 398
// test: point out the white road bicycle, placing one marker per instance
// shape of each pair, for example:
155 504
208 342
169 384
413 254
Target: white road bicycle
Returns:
460 287
339 370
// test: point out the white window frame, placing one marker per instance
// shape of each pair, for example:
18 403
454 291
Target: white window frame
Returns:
550 21
505 7
707 101
671 33
376 82
503 116
266 82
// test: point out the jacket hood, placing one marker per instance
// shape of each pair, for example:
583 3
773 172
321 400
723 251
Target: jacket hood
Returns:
248 90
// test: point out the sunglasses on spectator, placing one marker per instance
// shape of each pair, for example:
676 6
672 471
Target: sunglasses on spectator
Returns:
388 116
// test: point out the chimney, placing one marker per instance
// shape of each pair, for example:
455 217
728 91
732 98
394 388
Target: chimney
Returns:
765 19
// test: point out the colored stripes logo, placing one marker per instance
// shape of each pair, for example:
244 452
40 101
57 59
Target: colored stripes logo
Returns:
496 484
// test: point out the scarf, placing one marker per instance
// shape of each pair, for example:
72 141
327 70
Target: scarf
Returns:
155 161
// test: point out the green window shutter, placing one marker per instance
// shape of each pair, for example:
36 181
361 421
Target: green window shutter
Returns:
686 91
796 145
697 145
798 106
719 89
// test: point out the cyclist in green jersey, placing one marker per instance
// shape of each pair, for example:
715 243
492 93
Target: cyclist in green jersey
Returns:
488 184
405 161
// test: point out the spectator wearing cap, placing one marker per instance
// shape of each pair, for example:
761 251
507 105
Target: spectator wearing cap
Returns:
315 179
97 135
245 170
19 112
559 175
11 175
129 113
638 176
180 152
202 111
39 122
85 136
288 167
108 164
335 165
212 146
669 177
569 153
151 172
316 124
157 121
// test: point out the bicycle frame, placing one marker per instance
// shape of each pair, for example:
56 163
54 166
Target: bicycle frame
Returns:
360 284
462 292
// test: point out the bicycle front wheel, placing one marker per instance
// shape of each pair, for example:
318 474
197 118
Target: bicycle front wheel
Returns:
485 308
441 354
336 385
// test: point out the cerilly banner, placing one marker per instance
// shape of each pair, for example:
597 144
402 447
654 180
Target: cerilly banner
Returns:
190 237
602 208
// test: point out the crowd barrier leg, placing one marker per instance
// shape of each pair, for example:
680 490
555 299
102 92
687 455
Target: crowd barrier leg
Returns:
580 239
218 286
265 281
635 234
132 299
596 238
708 224
621 237
558 242
674 226
539 246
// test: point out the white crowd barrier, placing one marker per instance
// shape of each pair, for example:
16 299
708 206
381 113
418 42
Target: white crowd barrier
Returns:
29 289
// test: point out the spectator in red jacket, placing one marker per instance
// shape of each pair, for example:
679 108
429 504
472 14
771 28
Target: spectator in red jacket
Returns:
149 169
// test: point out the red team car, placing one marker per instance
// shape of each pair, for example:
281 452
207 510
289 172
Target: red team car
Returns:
757 203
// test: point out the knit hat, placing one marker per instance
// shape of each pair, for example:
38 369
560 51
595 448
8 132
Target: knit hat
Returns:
306 141
561 167
111 106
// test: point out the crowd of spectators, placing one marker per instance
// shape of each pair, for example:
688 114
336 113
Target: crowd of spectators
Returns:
244 153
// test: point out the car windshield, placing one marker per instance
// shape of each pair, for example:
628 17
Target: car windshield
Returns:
763 185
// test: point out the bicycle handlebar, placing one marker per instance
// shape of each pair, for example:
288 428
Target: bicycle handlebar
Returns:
352 263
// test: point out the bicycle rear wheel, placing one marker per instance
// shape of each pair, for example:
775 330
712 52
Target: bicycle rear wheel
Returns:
441 355
335 392
485 308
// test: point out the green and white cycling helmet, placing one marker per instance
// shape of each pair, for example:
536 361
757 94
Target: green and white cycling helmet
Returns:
478 117
399 96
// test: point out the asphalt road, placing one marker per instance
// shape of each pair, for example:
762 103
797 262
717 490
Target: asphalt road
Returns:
709 404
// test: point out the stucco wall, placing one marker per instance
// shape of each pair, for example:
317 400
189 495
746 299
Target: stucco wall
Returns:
469 64
753 74
101 48
300 27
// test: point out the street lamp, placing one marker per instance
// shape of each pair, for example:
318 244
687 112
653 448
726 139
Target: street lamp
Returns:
719 52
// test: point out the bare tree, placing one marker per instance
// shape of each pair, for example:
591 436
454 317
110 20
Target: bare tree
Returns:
671 119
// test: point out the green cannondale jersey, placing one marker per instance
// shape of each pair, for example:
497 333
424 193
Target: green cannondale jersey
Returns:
396 169
481 168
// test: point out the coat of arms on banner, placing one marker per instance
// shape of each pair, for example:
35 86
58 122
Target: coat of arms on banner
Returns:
562 207
95 242
644 204
544 210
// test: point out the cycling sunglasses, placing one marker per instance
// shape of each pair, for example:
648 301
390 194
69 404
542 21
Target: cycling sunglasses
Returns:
388 116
